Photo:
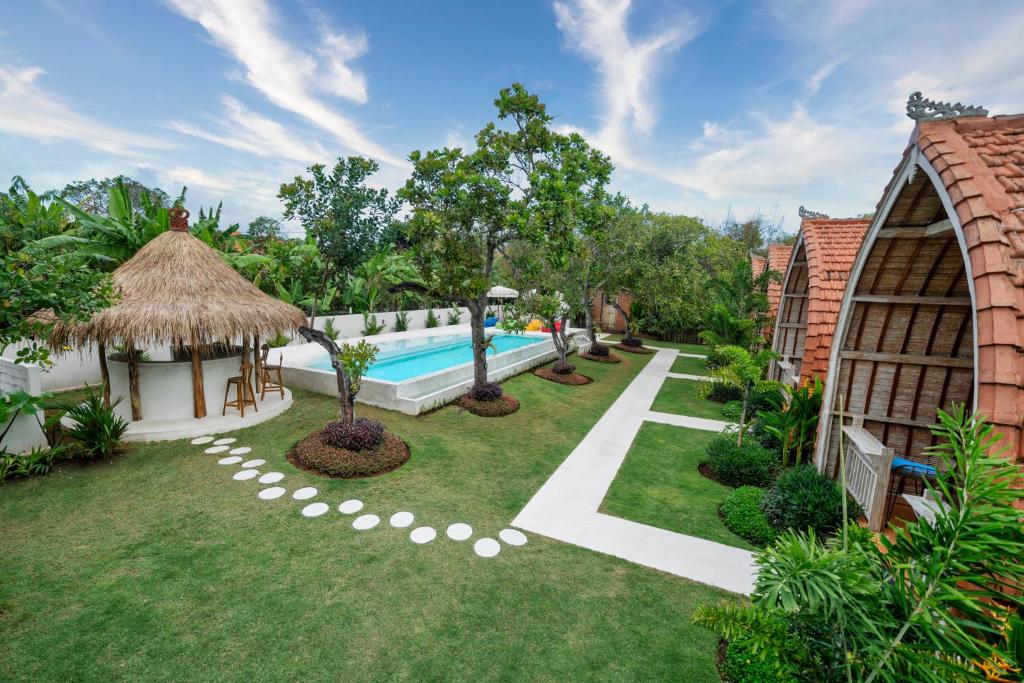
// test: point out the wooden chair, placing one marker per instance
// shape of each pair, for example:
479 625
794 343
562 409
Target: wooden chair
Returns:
270 377
244 393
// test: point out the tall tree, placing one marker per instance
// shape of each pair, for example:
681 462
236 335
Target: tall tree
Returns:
264 228
93 195
341 213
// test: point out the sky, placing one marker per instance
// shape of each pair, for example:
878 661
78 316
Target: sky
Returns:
706 108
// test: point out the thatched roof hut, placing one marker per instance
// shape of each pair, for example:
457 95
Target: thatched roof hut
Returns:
176 290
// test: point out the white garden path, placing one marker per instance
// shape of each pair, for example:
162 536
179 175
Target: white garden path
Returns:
566 506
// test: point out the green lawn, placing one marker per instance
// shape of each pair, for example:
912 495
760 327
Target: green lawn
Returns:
659 485
690 366
681 397
159 566
685 348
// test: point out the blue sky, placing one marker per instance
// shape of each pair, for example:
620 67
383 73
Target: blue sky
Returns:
705 107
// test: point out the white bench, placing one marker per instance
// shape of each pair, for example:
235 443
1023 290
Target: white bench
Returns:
868 469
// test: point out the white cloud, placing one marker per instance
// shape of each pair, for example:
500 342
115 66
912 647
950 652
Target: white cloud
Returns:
247 131
29 110
287 75
598 31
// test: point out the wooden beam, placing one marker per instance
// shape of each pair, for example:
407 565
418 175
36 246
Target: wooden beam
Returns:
133 382
198 390
104 373
912 299
909 359
917 231
903 422
793 326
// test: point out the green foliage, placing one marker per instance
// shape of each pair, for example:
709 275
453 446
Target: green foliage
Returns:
432 320
264 228
743 371
742 514
368 289
803 498
37 462
741 666
329 329
93 196
371 326
795 426
746 464
356 360
936 602
97 429
401 321
20 402
454 316
278 341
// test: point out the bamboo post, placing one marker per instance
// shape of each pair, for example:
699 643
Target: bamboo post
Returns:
133 382
198 390
257 359
104 374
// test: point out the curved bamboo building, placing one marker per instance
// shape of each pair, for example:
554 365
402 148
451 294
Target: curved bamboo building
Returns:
778 260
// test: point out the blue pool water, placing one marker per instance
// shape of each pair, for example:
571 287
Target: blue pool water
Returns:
407 358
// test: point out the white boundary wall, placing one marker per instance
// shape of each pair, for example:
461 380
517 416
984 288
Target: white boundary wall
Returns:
351 325
25 433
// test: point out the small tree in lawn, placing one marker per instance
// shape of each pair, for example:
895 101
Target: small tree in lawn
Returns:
350 363
744 372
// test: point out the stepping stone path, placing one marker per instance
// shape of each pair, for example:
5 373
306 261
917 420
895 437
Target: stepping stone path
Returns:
460 531
512 536
487 547
350 507
272 493
315 509
364 522
400 520
423 534
305 493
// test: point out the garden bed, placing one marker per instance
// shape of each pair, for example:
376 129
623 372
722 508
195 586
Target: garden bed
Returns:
610 358
574 379
314 455
640 350
500 407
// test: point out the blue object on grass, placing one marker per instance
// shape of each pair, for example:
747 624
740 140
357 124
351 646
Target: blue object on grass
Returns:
490 322
904 466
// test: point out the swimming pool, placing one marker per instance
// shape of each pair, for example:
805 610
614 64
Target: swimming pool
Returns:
405 359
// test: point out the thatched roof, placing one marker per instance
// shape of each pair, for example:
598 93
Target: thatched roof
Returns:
178 290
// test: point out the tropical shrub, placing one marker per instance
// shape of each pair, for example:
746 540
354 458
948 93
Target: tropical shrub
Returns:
278 341
635 342
314 453
454 316
97 429
742 514
486 392
371 326
794 427
740 665
36 462
330 330
432 320
743 371
599 350
362 435
803 498
747 464
563 368
401 322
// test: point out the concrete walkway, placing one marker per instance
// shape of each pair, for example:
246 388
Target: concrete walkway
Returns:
565 508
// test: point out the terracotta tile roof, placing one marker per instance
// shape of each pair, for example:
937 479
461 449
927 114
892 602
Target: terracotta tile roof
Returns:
757 264
778 260
980 161
831 245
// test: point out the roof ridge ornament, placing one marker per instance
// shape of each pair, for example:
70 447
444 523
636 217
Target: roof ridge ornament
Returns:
179 218
807 213
921 109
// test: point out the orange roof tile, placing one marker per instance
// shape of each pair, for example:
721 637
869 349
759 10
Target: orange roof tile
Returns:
778 260
757 264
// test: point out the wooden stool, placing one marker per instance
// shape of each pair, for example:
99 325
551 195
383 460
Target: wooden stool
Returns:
244 393
270 377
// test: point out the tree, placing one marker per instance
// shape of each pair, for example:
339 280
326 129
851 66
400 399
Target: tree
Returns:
42 279
341 213
264 228
350 363
754 234
525 183
743 371
93 196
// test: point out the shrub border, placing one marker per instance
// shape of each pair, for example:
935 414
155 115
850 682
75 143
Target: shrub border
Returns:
388 440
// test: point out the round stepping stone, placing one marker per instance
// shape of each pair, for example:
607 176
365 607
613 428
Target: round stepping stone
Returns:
512 536
315 509
272 493
241 450
245 474
305 493
350 507
225 441
230 460
200 440
271 478
215 449
459 531
400 520
364 522
487 547
423 534
253 463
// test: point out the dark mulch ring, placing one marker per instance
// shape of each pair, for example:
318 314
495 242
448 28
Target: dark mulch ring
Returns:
634 349
314 455
610 358
705 471
573 378
505 405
